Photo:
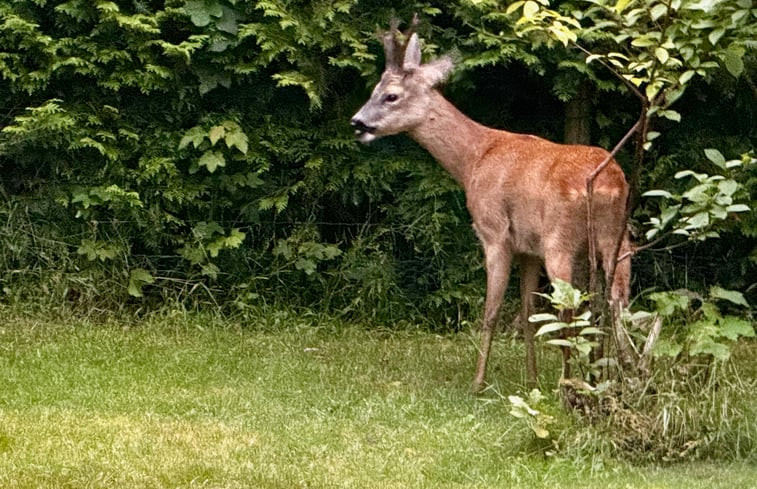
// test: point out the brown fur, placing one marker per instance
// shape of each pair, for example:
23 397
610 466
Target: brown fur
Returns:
526 195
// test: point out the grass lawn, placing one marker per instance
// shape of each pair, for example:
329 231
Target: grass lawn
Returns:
185 401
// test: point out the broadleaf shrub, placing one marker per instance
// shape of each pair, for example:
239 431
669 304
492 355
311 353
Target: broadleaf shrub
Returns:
177 149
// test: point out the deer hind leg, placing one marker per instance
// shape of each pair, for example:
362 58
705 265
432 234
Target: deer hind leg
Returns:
530 266
498 261
559 264
621 279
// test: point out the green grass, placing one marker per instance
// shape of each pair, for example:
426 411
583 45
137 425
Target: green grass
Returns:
284 402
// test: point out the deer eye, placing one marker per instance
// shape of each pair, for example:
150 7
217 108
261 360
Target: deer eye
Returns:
392 97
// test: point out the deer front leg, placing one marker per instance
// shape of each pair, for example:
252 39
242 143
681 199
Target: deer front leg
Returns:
530 266
498 261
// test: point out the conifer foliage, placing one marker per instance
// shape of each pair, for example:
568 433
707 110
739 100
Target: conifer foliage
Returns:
200 150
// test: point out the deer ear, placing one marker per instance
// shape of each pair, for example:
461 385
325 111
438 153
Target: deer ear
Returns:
412 54
437 71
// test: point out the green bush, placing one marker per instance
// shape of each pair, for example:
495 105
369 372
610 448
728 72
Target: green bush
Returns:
200 151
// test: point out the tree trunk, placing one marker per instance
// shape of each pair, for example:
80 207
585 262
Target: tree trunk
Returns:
578 116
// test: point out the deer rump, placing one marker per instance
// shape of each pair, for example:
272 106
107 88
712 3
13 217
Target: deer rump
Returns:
532 194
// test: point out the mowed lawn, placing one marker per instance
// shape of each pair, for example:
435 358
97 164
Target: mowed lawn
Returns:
182 401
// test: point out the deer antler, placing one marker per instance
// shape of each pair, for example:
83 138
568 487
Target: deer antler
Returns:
394 49
391 53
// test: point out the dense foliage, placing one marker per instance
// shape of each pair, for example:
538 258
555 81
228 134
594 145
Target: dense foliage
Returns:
199 150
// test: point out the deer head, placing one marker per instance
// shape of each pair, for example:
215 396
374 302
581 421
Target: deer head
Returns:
401 100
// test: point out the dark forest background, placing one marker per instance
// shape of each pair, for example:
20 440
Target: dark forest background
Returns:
200 152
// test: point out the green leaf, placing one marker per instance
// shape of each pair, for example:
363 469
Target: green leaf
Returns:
666 303
551 328
733 296
733 328
538 318
686 173
662 55
699 220
306 265
715 35
196 136
530 8
228 22
235 238
652 90
670 115
138 278
686 76
212 160
513 7
715 156
733 59
621 5
658 11
237 139
216 133
667 348
198 12
738 208
728 187
540 431
708 346
657 193
591 331
643 42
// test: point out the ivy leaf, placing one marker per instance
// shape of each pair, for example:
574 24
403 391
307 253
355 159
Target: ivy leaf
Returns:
198 12
212 160
228 22
210 80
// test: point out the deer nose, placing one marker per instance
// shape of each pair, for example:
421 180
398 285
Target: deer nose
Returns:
361 126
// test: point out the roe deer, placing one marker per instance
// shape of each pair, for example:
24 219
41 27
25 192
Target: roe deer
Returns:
526 196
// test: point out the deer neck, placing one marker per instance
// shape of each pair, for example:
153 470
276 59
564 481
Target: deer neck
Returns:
455 140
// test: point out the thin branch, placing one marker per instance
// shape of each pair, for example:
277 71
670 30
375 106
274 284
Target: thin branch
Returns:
590 202
633 88
651 244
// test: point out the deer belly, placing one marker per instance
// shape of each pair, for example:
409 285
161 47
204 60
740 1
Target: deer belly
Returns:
526 241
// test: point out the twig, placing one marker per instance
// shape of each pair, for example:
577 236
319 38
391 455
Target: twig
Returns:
589 200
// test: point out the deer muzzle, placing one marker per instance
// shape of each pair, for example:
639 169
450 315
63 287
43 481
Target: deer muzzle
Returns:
361 127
